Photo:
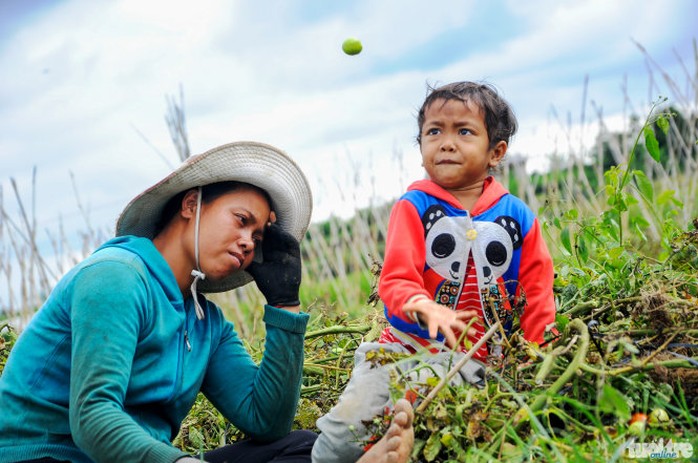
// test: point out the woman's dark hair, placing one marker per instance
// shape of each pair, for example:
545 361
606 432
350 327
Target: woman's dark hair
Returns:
499 118
208 193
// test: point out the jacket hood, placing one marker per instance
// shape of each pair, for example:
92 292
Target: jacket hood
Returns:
149 255
492 191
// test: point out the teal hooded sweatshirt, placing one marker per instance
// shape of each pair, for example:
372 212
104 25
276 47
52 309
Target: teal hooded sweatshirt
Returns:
112 363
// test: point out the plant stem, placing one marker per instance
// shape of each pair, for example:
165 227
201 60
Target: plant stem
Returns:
361 329
582 306
578 360
456 368
672 363
316 367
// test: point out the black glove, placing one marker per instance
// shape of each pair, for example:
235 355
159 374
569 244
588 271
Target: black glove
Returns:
278 276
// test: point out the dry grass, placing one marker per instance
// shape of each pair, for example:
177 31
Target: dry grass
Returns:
339 254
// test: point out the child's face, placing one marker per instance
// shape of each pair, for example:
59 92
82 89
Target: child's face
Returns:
455 145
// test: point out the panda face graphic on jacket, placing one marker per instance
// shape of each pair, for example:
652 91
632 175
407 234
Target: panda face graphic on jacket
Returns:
450 240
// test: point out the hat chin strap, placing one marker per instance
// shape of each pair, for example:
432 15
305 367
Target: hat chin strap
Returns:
197 273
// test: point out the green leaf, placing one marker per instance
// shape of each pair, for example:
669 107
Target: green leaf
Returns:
640 224
432 447
449 441
616 252
561 321
639 221
447 438
651 142
582 249
644 185
618 202
196 438
610 219
612 401
628 346
668 196
565 239
663 123
571 214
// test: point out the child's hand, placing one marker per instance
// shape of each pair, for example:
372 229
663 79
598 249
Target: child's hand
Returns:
439 318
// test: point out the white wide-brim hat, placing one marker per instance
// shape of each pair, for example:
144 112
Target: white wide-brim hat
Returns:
255 163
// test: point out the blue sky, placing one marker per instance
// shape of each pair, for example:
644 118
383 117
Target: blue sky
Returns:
83 82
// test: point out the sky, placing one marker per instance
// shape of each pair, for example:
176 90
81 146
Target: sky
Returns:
84 86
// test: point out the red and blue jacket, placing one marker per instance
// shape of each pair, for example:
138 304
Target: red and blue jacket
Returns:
493 253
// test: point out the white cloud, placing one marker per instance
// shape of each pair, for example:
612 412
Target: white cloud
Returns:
77 81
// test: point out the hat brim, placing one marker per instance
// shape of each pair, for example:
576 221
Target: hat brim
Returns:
255 163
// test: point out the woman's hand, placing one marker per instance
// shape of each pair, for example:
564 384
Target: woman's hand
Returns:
278 276
439 318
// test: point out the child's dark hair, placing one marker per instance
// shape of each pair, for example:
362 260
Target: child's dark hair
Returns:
499 118
208 193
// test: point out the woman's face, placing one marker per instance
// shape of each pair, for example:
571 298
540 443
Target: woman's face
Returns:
232 225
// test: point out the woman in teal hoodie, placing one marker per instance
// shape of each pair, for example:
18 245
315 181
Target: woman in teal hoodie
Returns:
112 363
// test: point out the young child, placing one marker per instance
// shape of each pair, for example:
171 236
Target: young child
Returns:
459 249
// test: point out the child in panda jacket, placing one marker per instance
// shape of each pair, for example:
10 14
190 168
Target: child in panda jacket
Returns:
461 253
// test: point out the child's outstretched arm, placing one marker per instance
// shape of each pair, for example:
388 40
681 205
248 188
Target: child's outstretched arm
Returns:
440 319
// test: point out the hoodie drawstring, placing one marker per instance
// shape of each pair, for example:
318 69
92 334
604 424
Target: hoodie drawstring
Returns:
197 273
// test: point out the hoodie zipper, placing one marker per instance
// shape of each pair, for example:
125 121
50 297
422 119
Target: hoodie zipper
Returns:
186 340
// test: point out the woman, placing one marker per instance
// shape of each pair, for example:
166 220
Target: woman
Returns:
113 361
